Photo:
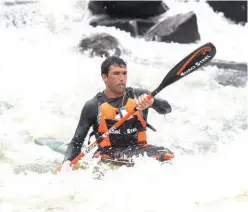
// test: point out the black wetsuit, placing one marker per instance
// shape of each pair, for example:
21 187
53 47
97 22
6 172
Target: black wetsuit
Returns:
88 119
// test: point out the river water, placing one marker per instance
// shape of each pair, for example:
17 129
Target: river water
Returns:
44 82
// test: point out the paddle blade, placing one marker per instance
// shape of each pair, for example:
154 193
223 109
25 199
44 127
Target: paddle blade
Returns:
192 62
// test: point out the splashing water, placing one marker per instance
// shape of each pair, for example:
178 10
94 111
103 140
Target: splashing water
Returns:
44 82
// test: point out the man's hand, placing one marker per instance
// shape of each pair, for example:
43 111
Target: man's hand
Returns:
142 102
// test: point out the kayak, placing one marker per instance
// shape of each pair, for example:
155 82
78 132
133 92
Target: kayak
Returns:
60 147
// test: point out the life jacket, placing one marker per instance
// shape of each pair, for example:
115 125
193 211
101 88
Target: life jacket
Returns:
131 132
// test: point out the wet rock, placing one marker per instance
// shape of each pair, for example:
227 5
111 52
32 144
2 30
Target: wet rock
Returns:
144 25
181 28
239 66
141 18
128 9
136 27
134 17
230 77
12 3
100 44
127 25
231 73
234 10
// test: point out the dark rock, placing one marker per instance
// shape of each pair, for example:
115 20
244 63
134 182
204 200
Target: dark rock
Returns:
231 78
128 9
234 10
97 7
230 73
134 26
126 25
181 28
141 18
101 44
144 25
12 3
239 66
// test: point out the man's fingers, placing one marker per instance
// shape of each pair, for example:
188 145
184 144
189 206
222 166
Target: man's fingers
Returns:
142 102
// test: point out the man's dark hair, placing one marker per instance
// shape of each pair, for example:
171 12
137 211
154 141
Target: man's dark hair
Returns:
113 60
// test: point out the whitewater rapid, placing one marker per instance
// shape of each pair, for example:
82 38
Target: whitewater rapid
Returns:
44 82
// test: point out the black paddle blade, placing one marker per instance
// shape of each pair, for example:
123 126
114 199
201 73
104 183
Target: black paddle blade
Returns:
192 62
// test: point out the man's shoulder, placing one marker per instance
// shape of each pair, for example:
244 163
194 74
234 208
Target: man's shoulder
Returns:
94 100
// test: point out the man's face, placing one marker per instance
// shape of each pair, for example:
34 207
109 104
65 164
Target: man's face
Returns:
116 79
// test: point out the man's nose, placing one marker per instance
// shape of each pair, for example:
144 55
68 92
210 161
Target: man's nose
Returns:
122 77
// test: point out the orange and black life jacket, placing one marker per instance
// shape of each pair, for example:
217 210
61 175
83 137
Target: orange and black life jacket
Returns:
131 132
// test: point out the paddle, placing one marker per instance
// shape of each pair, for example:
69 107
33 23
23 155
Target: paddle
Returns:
192 62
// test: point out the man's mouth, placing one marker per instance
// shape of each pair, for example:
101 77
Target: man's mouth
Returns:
121 85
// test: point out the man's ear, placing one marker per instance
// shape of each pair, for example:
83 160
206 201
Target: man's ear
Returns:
104 78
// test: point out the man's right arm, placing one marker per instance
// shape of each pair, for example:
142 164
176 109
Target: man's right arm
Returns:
160 105
87 119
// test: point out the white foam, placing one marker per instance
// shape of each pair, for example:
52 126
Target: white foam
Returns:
45 82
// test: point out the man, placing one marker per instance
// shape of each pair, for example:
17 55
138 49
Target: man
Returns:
107 107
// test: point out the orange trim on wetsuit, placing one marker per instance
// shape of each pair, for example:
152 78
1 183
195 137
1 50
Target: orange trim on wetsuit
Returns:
134 126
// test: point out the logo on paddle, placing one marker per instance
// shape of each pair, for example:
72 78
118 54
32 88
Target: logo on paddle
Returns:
196 55
196 65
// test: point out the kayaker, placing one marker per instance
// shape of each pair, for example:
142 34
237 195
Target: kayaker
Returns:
106 107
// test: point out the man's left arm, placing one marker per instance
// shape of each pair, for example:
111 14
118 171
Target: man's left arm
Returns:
161 106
